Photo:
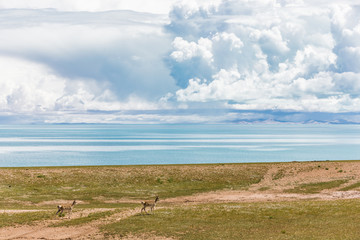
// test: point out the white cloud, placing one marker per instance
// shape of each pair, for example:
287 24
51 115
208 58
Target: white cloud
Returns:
270 40
159 6
59 33
347 82
227 85
292 56
314 59
28 87
123 49
321 83
68 60
184 50
204 48
230 38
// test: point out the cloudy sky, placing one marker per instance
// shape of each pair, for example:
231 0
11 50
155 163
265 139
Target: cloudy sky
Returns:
167 61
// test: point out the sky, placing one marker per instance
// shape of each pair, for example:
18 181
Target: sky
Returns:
167 61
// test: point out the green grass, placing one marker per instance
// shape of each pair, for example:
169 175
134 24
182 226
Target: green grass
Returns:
26 218
82 220
22 188
279 174
34 185
316 187
283 220
264 188
351 187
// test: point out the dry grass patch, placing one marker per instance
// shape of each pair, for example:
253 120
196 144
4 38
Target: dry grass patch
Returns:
24 218
351 187
282 220
83 220
37 185
279 174
316 187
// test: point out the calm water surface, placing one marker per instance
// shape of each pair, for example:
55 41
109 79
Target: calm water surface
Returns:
67 145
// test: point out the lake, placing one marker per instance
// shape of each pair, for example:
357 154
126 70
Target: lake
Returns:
101 144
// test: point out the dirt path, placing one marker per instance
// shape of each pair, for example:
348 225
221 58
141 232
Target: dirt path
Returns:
43 230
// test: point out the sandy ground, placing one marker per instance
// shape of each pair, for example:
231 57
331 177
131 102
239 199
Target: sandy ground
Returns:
279 177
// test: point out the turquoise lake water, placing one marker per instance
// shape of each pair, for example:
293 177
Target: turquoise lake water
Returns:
69 145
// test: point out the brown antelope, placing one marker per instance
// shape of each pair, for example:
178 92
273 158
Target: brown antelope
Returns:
68 208
150 204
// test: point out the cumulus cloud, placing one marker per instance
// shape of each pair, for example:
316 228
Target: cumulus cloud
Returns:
28 87
123 49
283 55
185 50
204 61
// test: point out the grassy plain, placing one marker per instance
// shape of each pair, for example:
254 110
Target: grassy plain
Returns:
35 185
310 200
266 220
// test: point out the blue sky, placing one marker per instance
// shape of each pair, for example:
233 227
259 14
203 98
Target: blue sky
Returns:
165 61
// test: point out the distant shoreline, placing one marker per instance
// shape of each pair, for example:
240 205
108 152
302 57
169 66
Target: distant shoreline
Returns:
182 164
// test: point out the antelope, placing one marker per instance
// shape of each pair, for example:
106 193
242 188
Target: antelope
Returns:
68 208
150 204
